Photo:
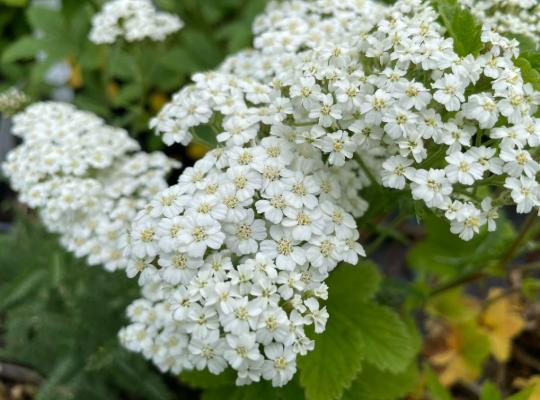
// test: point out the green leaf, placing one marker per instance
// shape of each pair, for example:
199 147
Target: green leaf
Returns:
374 384
388 343
445 255
341 346
363 279
489 391
25 47
357 330
327 371
435 388
206 380
121 64
14 3
46 20
529 74
523 394
128 94
461 25
259 391
23 287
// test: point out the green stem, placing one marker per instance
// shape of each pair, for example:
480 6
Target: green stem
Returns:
518 241
512 251
389 231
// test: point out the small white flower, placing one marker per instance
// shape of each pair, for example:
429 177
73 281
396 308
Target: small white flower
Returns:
395 169
281 364
450 91
463 168
243 237
431 185
482 108
241 350
339 146
525 192
199 233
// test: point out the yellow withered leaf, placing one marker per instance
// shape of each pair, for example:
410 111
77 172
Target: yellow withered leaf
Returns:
501 321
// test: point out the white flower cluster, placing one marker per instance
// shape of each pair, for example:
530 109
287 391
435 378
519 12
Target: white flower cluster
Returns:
440 124
84 178
233 259
335 96
132 20
515 16
451 124
289 36
11 101
239 250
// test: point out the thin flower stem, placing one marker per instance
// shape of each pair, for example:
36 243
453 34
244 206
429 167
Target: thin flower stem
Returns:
505 260
387 231
518 241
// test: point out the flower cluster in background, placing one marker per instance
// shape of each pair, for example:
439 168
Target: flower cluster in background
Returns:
88 180
516 16
132 20
12 100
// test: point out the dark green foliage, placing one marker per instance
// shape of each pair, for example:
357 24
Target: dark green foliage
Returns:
61 318
126 83
461 26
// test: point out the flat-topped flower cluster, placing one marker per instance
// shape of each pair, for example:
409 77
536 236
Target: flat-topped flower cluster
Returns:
132 20
240 249
87 179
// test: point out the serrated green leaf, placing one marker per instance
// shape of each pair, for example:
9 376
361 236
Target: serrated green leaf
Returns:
363 279
327 371
374 384
358 329
461 26
259 391
341 346
388 343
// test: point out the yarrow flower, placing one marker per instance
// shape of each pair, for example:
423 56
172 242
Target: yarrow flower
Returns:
132 20
334 97
88 180
240 288
407 122
515 16
12 101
